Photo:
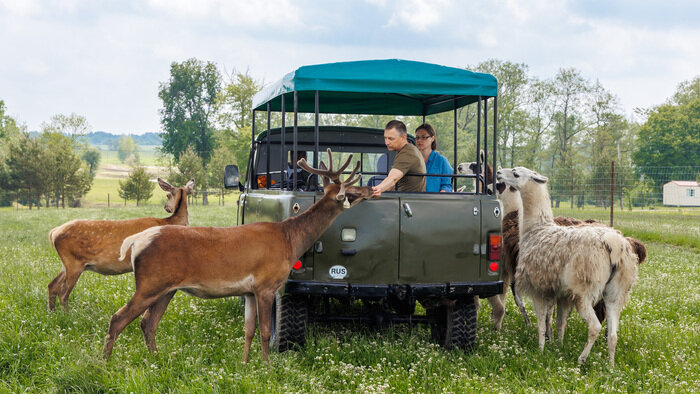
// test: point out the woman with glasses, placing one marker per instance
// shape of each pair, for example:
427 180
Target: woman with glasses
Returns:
435 163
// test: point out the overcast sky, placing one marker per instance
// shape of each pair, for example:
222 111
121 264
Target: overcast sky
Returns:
105 59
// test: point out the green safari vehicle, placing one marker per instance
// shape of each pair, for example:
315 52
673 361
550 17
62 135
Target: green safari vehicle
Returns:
438 249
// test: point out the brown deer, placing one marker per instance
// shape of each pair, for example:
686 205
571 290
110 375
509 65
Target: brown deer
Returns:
93 245
253 260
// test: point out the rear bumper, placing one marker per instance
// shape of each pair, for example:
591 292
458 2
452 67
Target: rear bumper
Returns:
356 290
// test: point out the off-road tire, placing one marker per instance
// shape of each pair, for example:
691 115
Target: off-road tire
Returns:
289 318
454 326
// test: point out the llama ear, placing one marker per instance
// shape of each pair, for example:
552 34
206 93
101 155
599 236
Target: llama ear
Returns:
539 178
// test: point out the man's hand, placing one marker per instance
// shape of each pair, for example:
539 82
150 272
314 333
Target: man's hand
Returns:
376 191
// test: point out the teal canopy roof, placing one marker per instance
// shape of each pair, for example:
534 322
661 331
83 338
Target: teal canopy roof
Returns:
386 87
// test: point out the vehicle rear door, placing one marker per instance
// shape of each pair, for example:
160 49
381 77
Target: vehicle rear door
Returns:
440 235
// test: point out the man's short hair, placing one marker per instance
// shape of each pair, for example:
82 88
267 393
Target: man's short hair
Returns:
398 125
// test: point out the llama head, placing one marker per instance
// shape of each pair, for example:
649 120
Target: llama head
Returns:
509 197
518 177
469 168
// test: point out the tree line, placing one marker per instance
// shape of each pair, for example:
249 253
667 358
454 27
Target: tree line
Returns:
566 126
54 168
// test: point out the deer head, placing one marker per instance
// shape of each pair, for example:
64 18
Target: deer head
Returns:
174 194
342 191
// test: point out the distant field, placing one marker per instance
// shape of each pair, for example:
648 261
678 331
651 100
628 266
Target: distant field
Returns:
149 155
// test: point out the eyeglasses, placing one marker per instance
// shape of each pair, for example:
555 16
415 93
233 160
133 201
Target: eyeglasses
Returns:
420 137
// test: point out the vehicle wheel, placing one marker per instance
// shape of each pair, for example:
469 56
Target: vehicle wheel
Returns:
288 324
454 326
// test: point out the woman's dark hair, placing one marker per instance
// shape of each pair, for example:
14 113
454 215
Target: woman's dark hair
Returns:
428 128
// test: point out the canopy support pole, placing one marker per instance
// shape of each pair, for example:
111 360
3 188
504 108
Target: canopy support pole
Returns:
454 144
283 153
294 143
267 176
478 143
316 136
486 143
495 134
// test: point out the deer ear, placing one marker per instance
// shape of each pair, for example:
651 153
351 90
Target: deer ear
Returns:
481 156
165 185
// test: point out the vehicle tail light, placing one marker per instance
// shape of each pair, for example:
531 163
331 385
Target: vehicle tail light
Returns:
297 265
493 266
494 247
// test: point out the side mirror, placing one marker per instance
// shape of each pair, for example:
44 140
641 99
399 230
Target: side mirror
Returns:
231 177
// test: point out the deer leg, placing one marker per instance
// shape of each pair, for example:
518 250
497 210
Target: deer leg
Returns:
55 287
73 272
585 309
563 310
125 315
265 317
497 310
249 324
150 320
521 305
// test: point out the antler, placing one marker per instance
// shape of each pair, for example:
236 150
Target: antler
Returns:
333 175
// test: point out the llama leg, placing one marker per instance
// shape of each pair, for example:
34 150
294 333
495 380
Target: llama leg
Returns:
564 307
249 324
498 309
550 313
125 315
585 309
150 320
541 311
613 316
521 305
265 317
55 287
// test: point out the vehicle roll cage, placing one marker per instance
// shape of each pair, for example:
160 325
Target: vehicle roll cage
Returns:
430 104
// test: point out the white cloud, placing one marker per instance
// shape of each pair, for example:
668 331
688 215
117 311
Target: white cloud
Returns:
233 12
21 8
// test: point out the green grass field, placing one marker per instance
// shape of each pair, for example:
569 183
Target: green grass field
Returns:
201 341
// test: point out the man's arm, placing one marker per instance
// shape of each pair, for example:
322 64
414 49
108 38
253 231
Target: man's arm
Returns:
388 183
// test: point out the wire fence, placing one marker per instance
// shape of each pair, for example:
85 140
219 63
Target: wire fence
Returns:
628 187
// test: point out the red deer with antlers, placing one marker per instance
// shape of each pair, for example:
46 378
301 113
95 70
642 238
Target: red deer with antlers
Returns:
93 245
253 260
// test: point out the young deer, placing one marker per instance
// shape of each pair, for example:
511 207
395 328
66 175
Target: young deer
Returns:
93 245
253 260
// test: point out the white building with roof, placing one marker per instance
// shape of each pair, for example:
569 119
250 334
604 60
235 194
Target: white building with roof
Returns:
682 193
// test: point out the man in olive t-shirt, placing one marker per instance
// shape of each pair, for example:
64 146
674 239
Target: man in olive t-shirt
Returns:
408 160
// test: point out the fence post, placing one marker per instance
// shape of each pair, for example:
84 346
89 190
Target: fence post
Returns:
612 190
107 200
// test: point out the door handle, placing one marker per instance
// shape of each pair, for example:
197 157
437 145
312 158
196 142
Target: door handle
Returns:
407 210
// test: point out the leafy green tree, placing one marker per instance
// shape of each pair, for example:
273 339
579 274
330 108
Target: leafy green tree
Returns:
26 170
670 137
189 110
68 176
687 91
512 101
219 160
10 132
92 157
235 104
127 148
137 186
189 166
